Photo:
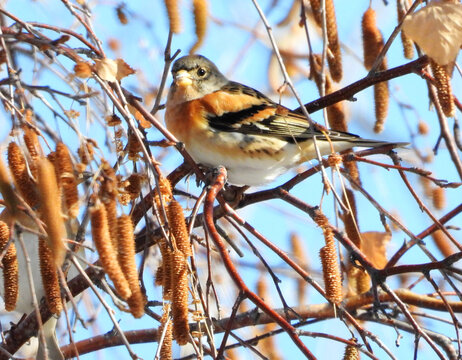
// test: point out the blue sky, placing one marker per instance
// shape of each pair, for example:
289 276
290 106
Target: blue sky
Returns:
142 43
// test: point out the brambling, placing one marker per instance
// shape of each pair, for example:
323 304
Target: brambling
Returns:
222 122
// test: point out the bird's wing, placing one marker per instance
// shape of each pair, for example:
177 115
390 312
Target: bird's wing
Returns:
259 115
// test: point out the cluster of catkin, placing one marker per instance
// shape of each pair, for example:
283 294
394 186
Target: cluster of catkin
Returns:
114 240
301 257
334 54
267 345
358 279
49 187
351 352
200 12
10 268
329 262
336 112
337 121
373 44
442 82
172 274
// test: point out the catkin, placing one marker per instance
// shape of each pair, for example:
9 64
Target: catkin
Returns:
427 186
439 198
67 180
381 100
18 167
334 61
180 311
352 168
350 217
423 128
300 255
177 224
262 288
133 148
126 258
335 113
336 116
111 214
6 189
351 352
164 195
165 190
113 120
268 344
200 20
442 243
33 147
86 152
173 13
10 269
444 89
166 272
134 185
330 266
159 276
166 346
331 273
315 71
363 281
108 195
372 38
50 210
372 46
121 15
107 255
50 279
408 44
316 8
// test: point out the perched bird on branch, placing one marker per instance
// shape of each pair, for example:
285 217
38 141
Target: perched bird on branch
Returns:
222 122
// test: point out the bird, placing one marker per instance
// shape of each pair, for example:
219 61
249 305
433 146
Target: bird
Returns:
222 122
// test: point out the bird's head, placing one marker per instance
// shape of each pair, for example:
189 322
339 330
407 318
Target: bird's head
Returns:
195 76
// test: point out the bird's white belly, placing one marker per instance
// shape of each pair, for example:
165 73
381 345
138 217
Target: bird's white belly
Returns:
244 169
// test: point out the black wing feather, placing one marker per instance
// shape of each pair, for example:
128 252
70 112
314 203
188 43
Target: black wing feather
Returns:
290 126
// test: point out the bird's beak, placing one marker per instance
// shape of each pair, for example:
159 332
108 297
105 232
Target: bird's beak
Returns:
182 78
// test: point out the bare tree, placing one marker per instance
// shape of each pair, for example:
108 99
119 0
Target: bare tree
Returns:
99 228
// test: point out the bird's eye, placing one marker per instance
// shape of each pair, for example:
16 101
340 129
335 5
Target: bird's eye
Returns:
201 72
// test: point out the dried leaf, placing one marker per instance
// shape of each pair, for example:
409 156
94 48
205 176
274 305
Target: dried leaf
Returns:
123 69
374 246
106 69
139 117
112 70
437 29
82 70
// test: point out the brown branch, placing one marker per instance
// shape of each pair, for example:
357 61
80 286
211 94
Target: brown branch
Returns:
444 127
413 322
422 206
215 188
442 340
255 318
407 245
108 340
41 43
423 268
349 91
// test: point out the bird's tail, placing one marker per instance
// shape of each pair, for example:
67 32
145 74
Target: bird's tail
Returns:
357 141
